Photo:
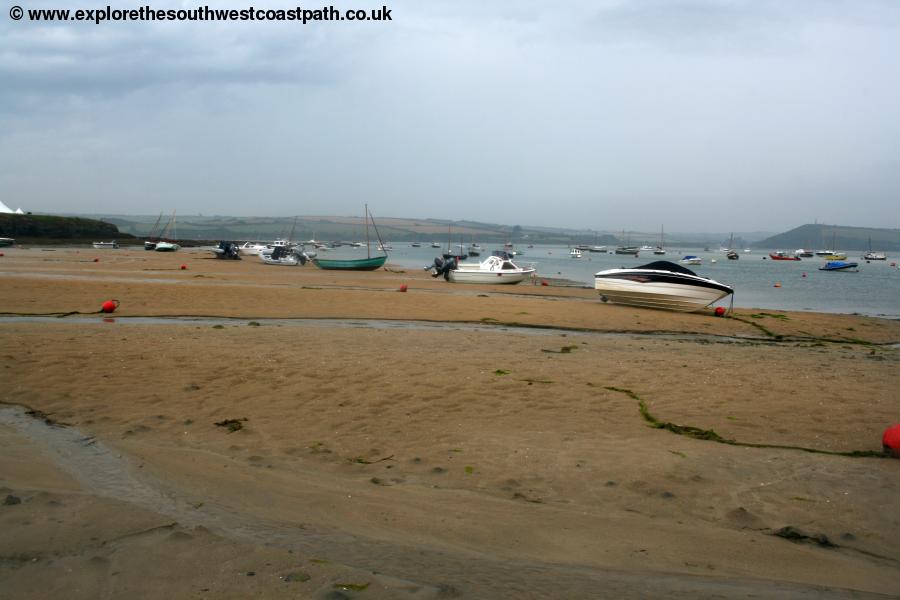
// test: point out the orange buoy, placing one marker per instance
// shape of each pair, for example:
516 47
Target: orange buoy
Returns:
109 306
777 284
890 441
402 287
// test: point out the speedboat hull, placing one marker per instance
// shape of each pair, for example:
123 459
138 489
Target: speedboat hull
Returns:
166 247
839 265
105 245
662 285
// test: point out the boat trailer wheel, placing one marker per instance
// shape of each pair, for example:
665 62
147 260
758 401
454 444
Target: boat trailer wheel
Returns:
604 299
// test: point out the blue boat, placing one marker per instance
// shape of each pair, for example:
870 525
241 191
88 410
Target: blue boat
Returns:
839 265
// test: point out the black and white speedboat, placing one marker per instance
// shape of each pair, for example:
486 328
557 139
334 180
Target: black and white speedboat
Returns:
660 284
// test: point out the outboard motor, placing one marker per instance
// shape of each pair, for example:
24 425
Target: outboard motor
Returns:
443 267
436 267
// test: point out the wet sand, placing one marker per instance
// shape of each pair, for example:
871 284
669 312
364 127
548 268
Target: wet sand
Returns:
498 461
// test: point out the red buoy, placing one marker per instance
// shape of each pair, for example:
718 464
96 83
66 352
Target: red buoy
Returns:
544 282
402 287
183 267
720 311
109 306
890 441
96 260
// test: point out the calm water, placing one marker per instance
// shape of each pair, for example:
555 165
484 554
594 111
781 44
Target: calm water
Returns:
874 290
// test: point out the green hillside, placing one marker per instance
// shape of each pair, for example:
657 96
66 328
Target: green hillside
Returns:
834 237
34 227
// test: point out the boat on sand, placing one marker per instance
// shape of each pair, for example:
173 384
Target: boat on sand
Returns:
661 284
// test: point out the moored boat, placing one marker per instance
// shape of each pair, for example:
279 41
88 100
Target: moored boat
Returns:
661 284
228 250
370 263
575 253
779 255
732 255
803 253
355 264
105 245
493 270
633 250
251 248
839 265
691 259
5 241
280 256
874 256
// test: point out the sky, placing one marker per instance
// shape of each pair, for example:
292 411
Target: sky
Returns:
725 115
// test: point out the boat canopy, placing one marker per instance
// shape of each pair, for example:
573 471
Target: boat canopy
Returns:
664 265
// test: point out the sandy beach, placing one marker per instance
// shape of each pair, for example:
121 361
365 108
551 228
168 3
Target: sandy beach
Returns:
451 441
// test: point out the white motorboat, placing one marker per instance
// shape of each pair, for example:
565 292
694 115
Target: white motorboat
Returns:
105 245
575 253
251 248
494 269
280 256
660 284
474 249
5 241
597 249
690 259
874 256
162 246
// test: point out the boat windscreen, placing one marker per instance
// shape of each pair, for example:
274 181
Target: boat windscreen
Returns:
664 265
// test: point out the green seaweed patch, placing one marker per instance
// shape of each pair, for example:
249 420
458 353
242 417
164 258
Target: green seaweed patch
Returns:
677 453
220 326
469 469
488 320
351 587
802 499
762 315
533 381
563 350
232 424
501 372
710 435
319 561
362 461
253 324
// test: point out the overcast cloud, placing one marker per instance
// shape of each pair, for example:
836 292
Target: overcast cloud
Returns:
702 114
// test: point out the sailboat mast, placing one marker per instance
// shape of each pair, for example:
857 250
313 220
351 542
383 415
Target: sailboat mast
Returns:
366 218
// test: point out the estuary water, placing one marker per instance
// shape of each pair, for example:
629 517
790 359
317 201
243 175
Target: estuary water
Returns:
873 291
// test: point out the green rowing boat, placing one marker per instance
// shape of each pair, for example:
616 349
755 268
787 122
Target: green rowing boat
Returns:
356 264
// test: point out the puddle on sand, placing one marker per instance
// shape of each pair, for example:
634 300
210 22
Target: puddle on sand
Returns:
378 324
444 573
